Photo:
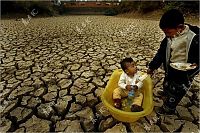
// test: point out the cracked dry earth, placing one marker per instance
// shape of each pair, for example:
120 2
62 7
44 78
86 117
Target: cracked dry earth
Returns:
54 69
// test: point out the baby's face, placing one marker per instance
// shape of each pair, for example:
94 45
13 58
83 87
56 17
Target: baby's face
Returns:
131 69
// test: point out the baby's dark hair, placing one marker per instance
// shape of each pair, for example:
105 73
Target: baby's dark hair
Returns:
171 19
124 61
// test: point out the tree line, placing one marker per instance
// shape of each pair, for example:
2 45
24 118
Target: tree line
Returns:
50 9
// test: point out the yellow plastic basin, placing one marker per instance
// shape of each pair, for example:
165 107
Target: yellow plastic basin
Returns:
121 115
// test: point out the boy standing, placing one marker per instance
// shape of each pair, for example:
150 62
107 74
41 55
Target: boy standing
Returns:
181 45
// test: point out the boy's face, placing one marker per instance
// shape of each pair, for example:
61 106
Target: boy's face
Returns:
131 68
170 33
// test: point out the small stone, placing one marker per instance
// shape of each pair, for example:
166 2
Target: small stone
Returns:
80 99
21 130
83 88
137 127
35 124
50 96
157 102
152 118
38 83
62 104
189 94
5 125
99 91
74 108
105 124
195 111
101 72
62 125
75 67
48 79
190 127
119 128
85 113
20 113
23 75
39 91
185 101
74 127
33 102
61 76
25 100
5 93
63 93
9 107
111 62
87 74
13 86
45 110
102 110
55 118
53 88
21 90
12 80
184 113
24 65
65 83
70 116
91 100
98 82
27 82
66 73
155 129
170 124
88 125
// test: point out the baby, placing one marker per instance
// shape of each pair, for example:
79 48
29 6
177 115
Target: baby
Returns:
129 79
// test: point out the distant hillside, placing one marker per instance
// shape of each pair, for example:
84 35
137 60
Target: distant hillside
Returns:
48 8
148 6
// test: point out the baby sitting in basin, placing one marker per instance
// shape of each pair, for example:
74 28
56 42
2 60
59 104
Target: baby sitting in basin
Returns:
130 80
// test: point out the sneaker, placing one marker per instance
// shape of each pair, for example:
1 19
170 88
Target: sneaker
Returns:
117 103
161 111
136 108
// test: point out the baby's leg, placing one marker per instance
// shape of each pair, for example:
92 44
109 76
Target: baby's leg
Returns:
138 100
117 93
117 97
137 103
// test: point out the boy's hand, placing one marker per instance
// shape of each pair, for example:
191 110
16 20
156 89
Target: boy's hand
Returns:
194 64
149 71
135 87
136 90
128 87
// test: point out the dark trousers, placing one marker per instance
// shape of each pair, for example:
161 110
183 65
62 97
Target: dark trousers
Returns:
174 92
175 86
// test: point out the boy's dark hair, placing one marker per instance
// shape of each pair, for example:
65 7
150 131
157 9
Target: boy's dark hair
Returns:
171 19
124 61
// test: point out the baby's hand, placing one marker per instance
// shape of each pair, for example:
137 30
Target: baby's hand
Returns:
128 87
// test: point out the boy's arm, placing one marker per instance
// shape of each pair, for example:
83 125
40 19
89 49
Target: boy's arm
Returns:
122 81
159 57
194 51
140 77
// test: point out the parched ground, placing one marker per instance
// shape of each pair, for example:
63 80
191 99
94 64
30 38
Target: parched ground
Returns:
54 69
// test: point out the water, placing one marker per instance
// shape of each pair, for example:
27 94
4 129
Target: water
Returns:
127 102
130 97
